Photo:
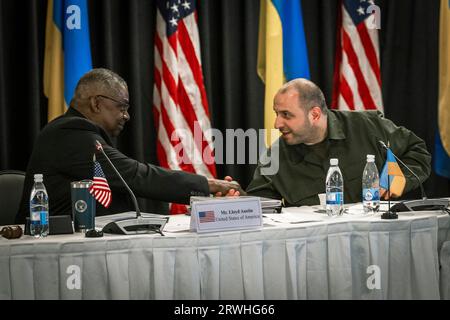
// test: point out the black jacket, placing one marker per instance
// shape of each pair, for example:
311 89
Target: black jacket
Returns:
63 153
351 136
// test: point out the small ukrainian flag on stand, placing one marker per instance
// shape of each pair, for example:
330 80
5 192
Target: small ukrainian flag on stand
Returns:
391 177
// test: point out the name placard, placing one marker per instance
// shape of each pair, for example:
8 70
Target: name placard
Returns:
225 214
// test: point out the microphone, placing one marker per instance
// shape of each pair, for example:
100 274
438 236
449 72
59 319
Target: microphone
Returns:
125 223
133 197
416 205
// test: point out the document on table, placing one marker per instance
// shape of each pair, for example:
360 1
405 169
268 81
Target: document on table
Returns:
302 214
178 223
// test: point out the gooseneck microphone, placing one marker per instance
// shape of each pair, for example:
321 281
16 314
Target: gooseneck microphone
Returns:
99 146
424 204
422 190
130 222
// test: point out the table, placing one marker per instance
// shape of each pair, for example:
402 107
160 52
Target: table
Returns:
329 259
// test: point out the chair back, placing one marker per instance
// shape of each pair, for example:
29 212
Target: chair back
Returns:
11 186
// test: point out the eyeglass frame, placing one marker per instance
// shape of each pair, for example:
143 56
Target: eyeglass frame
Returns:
124 106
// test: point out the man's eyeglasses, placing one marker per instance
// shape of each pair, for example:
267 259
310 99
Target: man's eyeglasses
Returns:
124 106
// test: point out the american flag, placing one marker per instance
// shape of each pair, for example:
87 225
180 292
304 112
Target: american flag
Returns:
357 81
100 187
179 98
206 216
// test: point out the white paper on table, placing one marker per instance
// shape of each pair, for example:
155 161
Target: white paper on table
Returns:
297 215
357 210
178 223
318 213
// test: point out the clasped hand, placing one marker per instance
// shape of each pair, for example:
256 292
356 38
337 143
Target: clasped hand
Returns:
226 187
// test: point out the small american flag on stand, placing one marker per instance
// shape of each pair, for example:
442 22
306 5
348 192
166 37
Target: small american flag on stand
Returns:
206 216
100 187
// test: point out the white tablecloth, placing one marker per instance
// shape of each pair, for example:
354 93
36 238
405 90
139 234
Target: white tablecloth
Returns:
319 260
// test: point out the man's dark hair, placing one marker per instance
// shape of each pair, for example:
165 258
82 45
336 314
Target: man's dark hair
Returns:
309 93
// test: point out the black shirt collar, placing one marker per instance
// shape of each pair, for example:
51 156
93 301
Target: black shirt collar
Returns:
334 126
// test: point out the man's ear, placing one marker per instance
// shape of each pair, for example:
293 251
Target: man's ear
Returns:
94 104
315 114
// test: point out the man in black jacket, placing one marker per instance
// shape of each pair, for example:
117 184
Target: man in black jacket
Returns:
311 135
64 153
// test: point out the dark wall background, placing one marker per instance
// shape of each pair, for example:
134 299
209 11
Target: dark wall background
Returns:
122 34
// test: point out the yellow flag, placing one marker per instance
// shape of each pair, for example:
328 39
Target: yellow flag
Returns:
444 75
53 67
270 60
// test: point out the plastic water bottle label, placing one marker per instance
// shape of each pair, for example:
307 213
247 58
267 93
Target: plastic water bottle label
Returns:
371 194
44 217
335 198
35 216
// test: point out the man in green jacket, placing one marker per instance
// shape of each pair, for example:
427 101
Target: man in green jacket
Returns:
312 134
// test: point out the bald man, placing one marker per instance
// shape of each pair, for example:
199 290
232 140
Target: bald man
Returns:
311 134
64 149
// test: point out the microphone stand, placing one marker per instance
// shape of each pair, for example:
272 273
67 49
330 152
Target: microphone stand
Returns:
422 190
133 197
130 222
423 204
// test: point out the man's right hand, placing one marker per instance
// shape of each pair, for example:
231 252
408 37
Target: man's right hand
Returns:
225 187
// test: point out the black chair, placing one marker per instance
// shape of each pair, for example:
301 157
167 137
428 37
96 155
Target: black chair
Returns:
11 185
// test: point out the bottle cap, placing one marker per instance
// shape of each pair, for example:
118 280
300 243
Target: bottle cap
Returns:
38 177
334 161
370 158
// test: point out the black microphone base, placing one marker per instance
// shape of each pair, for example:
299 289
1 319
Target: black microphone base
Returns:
389 215
127 223
421 205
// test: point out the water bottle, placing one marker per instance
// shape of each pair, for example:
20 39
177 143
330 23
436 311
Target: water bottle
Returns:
334 189
370 186
38 208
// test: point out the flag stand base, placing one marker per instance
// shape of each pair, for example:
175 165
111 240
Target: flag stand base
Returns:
389 215
127 223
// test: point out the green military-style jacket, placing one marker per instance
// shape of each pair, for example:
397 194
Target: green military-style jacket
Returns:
351 136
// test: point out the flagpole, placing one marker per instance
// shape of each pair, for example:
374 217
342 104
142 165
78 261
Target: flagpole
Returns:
389 191
389 214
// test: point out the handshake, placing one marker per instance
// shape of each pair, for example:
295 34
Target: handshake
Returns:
226 187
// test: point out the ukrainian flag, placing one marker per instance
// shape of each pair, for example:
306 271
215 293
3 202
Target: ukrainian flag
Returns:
67 52
442 143
282 50
397 180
